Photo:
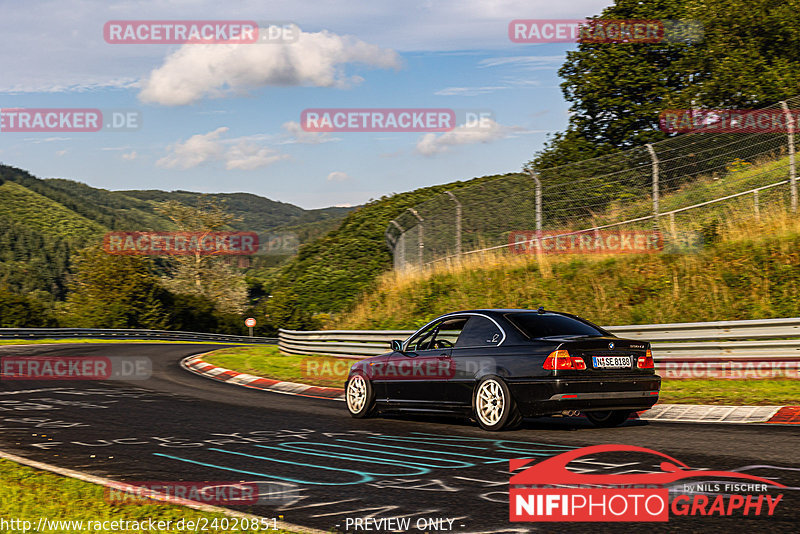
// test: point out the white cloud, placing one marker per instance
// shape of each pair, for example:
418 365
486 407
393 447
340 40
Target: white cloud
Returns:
194 151
130 156
296 134
527 62
196 71
201 148
247 156
338 176
488 131
37 140
83 60
469 91
60 153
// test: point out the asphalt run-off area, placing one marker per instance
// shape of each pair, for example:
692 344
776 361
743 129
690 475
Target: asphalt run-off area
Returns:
316 466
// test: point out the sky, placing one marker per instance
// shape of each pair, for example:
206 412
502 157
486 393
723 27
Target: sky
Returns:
227 117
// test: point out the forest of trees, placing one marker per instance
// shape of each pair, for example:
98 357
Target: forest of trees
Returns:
748 56
53 271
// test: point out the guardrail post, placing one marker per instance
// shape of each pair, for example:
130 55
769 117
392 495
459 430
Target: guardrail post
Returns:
792 167
420 241
654 159
458 222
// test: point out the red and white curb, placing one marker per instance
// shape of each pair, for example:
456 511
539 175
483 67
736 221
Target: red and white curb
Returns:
672 413
195 364
702 413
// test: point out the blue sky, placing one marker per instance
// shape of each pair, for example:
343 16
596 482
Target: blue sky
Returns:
217 118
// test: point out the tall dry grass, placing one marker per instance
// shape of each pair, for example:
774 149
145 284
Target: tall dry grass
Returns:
750 270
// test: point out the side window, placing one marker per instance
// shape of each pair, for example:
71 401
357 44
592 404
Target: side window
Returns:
480 332
443 334
423 339
449 333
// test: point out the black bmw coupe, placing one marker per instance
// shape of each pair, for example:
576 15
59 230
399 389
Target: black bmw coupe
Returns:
498 366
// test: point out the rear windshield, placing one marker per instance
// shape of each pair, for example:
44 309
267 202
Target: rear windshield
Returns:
536 325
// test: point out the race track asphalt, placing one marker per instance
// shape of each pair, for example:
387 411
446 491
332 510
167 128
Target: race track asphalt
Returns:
316 466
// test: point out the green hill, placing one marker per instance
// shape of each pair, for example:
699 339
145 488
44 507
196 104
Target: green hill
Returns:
43 222
751 272
329 273
136 209
40 213
258 214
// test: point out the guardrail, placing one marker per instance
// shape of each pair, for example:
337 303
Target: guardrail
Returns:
763 348
125 333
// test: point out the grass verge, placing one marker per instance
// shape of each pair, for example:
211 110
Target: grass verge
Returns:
332 372
772 392
268 362
88 340
29 494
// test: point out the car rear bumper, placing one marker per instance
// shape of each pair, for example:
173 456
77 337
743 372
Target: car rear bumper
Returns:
554 395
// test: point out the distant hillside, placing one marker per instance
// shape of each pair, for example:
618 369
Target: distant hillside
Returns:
43 222
330 272
135 210
258 214
39 213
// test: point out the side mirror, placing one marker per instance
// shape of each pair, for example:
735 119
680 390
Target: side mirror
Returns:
397 345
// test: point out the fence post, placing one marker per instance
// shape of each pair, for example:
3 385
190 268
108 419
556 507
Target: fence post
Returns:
792 168
755 205
458 222
420 242
538 183
654 159
399 244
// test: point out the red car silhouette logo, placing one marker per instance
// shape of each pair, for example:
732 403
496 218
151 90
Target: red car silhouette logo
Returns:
554 470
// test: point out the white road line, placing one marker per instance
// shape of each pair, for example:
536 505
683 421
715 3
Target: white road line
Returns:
29 391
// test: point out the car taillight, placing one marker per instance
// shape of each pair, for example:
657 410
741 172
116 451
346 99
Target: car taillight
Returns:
646 361
560 359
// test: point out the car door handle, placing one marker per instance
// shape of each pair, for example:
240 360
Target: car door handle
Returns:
443 357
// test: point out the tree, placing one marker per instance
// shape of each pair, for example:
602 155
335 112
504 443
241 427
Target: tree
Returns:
200 274
748 56
115 292
20 311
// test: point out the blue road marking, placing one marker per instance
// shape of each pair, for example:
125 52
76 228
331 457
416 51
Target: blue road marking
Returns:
365 477
460 463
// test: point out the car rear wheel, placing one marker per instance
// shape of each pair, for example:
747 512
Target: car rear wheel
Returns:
360 397
493 406
608 418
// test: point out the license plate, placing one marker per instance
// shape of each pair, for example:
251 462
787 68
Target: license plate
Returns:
611 362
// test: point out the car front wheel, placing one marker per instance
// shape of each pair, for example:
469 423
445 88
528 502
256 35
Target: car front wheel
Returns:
493 406
360 396
608 418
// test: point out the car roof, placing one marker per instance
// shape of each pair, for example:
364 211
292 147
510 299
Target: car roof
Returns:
500 311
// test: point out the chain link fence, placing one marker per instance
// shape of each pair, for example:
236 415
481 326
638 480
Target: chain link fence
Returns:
664 196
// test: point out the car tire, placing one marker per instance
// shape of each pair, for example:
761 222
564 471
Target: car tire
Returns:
493 407
359 396
608 418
